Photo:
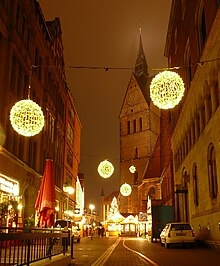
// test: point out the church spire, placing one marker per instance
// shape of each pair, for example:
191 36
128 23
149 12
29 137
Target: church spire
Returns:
141 67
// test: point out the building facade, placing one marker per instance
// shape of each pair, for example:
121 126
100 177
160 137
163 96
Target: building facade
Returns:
192 45
32 62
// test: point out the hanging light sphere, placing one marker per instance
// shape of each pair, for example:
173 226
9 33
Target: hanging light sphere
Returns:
132 169
27 118
105 169
125 189
166 89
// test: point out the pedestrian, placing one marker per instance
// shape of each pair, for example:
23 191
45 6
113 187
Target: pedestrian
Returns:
92 232
99 231
102 231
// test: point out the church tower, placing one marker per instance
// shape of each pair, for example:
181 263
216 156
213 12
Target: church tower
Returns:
139 132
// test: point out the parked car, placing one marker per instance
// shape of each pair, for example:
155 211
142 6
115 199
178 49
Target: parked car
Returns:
73 229
177 233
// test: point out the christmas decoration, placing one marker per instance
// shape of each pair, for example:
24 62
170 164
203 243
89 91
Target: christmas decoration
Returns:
125 189
166 89
113 208
105 169
132 169
27 118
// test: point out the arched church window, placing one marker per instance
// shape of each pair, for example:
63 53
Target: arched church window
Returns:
195 185
201 28
212 173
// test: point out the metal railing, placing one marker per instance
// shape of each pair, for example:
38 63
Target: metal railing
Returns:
21 246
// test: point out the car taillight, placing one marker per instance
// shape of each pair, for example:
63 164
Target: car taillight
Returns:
193 234
169 234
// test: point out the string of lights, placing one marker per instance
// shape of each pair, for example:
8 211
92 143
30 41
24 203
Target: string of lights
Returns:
106 68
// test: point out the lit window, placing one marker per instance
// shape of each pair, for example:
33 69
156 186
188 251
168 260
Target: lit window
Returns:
70 133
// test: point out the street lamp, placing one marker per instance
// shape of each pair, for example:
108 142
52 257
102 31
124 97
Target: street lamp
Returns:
91 207
68 188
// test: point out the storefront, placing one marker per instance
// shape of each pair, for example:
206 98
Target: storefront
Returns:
10 202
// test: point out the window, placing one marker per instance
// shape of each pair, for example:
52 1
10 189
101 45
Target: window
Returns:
135 126
70 133
71 115
141 123
212 173
201 28
151 193
195 185
176 40
13 71
187 59
208 102
70 158
50 126
135 178
129 127
136 153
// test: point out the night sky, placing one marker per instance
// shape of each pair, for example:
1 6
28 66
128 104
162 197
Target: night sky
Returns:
100 33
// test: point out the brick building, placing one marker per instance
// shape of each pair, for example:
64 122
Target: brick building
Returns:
144 143
192 44
31 53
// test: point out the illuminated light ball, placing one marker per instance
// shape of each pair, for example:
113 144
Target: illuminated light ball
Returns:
166 89
125 189
132 169
105 169
27 118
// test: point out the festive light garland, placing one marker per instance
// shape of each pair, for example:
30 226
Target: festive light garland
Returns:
27 118
125 189
105 169
166 89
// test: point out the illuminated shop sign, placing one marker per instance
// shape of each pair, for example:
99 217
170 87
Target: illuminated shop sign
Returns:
9 185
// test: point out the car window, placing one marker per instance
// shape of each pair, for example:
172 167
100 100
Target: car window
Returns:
63 223
180 227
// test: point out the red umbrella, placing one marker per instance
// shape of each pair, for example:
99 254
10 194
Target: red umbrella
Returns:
45 203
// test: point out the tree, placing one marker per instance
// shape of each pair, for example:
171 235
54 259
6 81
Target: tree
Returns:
113 208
